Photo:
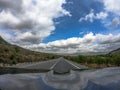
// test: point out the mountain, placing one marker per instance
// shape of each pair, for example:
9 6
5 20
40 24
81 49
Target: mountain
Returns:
117 51
2 41
12 54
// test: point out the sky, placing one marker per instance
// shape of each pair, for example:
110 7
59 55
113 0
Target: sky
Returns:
61 26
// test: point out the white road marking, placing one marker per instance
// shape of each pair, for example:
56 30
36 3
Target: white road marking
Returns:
54 64
72 64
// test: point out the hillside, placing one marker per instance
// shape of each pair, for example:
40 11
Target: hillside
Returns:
117 51
3 41
111 59
12 54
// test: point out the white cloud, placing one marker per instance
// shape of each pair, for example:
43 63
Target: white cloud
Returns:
101 15
81 33
112 6
31 20
109 15
89 43
91 16
115 22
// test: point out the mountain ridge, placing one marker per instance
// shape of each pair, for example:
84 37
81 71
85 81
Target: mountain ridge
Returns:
13 54
116 51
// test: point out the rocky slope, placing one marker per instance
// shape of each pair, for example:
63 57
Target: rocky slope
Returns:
12 54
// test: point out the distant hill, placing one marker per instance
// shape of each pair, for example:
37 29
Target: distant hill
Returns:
117 51
12 54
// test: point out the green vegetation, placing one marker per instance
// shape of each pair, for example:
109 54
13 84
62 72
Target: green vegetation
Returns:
11 54
98 60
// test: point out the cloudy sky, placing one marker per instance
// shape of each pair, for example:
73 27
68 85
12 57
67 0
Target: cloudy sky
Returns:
61 26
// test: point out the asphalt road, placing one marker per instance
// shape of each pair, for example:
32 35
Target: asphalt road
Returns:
37 65
59 65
